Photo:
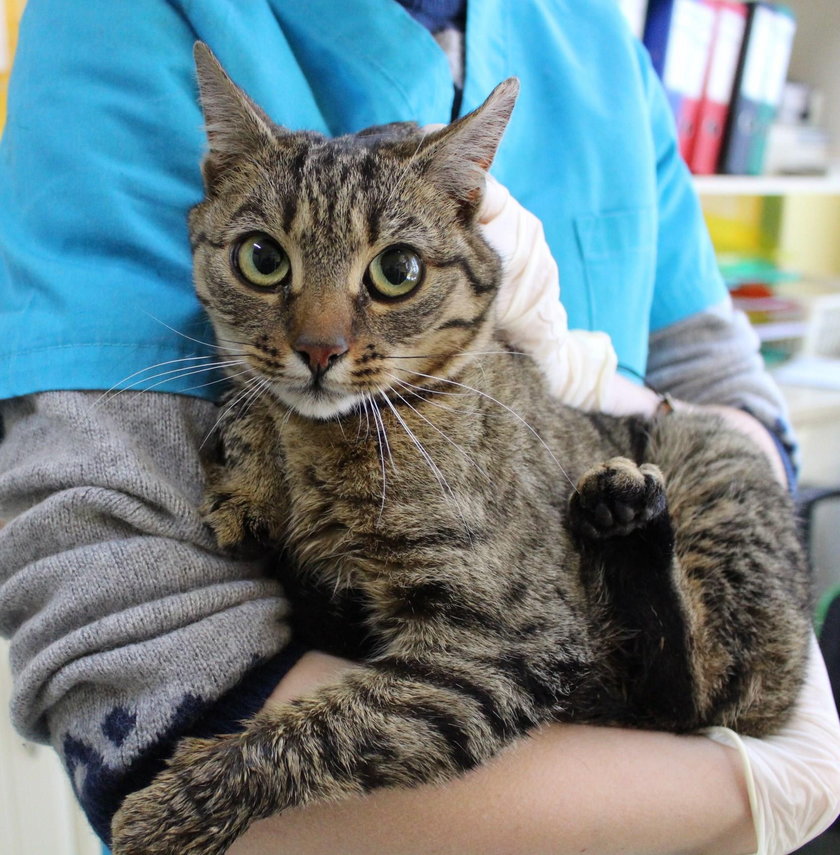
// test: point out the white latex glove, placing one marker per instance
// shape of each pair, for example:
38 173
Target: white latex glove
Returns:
793 777
578 365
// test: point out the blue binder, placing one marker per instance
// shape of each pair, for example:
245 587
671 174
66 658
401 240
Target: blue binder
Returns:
761 73
657 30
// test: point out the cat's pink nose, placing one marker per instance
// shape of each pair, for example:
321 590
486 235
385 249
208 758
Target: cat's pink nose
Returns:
320 356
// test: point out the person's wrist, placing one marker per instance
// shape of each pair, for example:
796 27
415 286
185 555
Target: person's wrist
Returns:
312 670
626 398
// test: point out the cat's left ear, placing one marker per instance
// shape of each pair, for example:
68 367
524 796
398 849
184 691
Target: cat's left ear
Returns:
235 125
459 155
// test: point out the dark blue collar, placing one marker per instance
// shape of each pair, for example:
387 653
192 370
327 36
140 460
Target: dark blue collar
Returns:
436 15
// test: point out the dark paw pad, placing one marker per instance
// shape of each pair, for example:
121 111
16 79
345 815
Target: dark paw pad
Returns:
617 498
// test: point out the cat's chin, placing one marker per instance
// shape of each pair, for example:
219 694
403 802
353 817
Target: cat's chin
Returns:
318 406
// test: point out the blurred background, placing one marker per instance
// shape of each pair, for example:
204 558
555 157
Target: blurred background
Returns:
755 89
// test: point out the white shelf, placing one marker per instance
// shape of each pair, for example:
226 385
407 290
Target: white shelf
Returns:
768 185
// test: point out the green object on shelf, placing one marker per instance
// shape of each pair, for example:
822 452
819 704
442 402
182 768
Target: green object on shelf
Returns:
739 269
775 356
822 607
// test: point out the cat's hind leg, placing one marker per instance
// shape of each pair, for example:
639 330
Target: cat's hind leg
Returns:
619 519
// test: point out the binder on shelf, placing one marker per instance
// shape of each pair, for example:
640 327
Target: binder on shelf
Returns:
774 85
679 36
712 115
762 71
657 30
635 11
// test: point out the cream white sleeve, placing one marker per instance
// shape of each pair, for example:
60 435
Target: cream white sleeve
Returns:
578 365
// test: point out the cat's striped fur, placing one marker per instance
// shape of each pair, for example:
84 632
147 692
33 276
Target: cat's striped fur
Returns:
409 462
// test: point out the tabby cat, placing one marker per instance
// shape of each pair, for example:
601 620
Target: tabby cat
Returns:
511 561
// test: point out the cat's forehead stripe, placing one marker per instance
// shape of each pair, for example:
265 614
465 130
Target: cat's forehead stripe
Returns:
251 209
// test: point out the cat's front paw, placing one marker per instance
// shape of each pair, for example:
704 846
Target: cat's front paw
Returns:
237 521
191 808
617 498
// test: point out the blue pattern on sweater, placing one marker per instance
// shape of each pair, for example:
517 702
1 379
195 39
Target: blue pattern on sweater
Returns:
118 724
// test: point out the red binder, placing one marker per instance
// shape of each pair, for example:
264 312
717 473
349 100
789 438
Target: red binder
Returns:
689 42
712 114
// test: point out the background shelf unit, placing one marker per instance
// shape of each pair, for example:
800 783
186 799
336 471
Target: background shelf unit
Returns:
768 185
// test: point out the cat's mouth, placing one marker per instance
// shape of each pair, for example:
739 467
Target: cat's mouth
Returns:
317 400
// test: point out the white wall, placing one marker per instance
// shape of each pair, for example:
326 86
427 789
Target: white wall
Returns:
816 56
38 813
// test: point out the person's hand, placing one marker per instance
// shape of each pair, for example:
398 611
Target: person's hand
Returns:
578 365
793 776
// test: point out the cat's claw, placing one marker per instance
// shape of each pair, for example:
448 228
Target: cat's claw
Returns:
617 498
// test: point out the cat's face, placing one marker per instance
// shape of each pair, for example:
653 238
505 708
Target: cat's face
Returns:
338 270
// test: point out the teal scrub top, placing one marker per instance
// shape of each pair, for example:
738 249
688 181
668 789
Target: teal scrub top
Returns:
99 164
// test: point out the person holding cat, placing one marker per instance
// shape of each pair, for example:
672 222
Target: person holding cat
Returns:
129 629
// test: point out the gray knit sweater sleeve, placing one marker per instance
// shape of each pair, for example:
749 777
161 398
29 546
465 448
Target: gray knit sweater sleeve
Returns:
713 357
128 629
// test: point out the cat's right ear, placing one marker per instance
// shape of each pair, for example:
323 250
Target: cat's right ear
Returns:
457 156
235 125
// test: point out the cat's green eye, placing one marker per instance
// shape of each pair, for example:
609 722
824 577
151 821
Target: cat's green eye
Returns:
395 272
261 260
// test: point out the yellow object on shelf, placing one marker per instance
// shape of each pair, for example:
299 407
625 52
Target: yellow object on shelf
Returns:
797 232
10 12
745 225
808 240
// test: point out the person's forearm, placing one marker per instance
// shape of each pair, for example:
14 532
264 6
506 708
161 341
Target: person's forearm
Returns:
713 358
128 627
751 427
626 397
569 789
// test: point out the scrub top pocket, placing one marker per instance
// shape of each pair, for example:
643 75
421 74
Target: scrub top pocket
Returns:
618 251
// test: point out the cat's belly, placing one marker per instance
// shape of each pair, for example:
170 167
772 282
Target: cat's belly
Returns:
485 537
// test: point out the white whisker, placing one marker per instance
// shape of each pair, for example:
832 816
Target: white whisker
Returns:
190 374
444 484
503 406
157 365
426 393
426 389
451 441
377 415
460 353
229 405
367 401
380 430
170 374
423 393
188 337
287 416
258 391
363 409
223 379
